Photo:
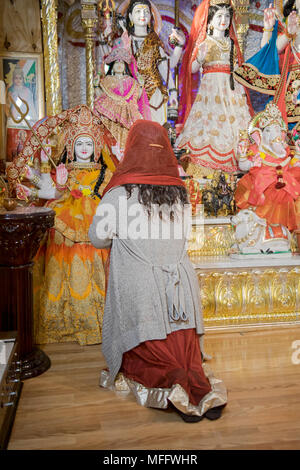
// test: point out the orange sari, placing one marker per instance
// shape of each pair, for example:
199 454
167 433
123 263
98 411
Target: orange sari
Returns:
69 273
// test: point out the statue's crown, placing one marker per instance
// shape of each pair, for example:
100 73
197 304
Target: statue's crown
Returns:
83 122
270 115
219 2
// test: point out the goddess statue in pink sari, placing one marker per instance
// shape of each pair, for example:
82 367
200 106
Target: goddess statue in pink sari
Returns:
120 98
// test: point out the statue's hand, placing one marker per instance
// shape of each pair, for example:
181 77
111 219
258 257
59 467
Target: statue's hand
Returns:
48 189
44 155
243 148
122 24
173 99
44 188
269 17
177 37
23 193
108 28
257 160
292 23
29 173
118 152
61 175
33 176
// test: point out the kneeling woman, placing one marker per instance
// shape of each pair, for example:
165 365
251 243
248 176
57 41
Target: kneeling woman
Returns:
152 319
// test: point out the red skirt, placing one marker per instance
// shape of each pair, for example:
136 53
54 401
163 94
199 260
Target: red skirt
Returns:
163 363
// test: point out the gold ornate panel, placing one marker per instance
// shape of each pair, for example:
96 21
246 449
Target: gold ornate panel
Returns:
211 240
250 296
235 296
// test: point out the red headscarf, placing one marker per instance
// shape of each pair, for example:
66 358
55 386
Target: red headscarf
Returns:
148 158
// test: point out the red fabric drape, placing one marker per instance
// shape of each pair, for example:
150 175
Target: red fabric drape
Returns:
148 158
188 82
280 94
163 363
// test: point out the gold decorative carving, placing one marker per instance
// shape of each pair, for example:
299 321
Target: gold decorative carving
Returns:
89 20
241 8
250 296
52 79
212 240
241 296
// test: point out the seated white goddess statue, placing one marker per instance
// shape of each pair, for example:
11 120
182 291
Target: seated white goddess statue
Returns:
69 273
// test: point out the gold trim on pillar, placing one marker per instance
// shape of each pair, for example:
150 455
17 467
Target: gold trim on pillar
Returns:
52 79
89 21
241 8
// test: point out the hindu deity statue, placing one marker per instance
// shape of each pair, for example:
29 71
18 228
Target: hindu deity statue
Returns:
20 91
275 69
211 113
268 194
69 275
120 99
153 64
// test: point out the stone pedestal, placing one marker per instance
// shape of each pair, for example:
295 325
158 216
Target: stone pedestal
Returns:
21 232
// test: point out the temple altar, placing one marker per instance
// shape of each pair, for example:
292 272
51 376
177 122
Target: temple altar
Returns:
65 50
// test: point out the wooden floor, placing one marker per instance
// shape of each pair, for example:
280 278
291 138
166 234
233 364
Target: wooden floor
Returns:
66 409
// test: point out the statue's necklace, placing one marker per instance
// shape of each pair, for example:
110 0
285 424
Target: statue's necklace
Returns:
222 44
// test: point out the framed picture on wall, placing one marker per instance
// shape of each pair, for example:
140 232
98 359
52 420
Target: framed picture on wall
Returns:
23 76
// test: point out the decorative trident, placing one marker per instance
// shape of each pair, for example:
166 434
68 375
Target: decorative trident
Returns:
23 118
106 5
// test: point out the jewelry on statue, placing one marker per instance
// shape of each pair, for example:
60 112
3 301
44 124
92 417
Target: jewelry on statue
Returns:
268 30
223 44
295 159
140 35
45 167
36 180
60 187
273 164
34 193
290 36
218 2
84 166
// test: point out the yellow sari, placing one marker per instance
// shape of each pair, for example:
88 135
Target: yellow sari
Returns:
69 276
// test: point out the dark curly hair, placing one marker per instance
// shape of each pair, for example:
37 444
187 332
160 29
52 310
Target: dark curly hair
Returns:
150 194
